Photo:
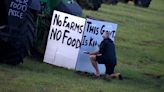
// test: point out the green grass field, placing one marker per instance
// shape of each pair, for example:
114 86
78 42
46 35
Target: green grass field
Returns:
140 53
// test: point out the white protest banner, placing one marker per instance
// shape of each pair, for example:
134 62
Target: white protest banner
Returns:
64 40
92 37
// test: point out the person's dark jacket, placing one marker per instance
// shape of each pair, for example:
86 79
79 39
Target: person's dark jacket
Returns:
107 49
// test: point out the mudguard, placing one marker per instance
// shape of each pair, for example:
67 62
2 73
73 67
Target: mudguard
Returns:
35 5
70 7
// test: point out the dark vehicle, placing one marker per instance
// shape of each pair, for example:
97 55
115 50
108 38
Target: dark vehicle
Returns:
25 25
44 20
90 4
141 3
113 2
17 37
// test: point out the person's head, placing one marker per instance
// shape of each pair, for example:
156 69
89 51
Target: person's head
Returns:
105 35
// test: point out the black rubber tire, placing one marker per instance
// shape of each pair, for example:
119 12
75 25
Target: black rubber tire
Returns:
96 4
124 1
30 31
13 50
142 3
113 2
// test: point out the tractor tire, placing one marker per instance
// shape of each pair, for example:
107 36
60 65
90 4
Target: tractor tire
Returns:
96 4
124 1
113 2
142 3
15 43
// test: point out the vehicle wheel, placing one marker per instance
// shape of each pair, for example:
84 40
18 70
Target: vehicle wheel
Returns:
19 41
142 3
124 1
114 2
96 4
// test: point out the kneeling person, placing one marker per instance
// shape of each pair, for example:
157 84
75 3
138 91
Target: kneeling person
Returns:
106 55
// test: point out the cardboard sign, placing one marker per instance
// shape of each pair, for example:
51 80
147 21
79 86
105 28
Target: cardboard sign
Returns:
92 37
64 40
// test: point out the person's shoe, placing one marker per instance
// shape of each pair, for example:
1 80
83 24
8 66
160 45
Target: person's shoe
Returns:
120 77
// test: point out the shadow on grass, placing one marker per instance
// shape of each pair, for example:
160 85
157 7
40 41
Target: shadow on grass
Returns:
92 76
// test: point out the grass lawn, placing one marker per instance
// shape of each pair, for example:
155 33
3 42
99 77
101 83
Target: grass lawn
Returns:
140 54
